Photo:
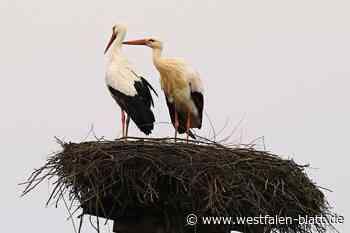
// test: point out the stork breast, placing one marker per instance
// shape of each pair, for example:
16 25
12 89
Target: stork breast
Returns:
172 81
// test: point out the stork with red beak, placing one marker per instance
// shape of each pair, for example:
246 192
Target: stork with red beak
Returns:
182 87
131 91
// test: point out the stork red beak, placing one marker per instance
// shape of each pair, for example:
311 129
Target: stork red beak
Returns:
113 37
136 42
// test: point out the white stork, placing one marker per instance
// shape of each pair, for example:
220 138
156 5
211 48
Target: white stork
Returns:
182 87
130 91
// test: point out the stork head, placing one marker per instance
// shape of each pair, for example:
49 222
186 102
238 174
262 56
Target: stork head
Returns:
118 31
150 42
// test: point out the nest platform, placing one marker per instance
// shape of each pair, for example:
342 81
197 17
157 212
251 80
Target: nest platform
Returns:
141 177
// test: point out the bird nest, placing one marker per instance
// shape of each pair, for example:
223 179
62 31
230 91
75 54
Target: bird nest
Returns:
138 176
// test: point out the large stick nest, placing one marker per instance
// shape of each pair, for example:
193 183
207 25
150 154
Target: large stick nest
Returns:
114 179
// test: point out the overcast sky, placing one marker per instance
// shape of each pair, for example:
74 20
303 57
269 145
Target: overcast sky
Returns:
281 66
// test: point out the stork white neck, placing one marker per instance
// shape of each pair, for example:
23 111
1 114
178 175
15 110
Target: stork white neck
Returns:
117 43
157 55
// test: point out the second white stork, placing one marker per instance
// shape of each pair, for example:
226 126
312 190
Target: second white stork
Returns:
182 87
131 91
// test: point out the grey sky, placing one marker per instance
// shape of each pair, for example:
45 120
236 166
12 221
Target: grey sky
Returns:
283 66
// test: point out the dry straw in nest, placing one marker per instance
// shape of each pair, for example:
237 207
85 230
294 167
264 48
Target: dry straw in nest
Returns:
116 179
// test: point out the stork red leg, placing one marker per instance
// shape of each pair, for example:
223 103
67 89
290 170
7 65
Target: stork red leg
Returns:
176 124
123 123
188 124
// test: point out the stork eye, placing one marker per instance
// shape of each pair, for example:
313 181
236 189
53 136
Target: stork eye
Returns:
152 40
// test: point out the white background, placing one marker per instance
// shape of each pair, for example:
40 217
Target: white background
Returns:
281 68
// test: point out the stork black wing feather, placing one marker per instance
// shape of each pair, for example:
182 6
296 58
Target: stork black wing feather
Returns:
198 100
149 85
143 90
138 107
